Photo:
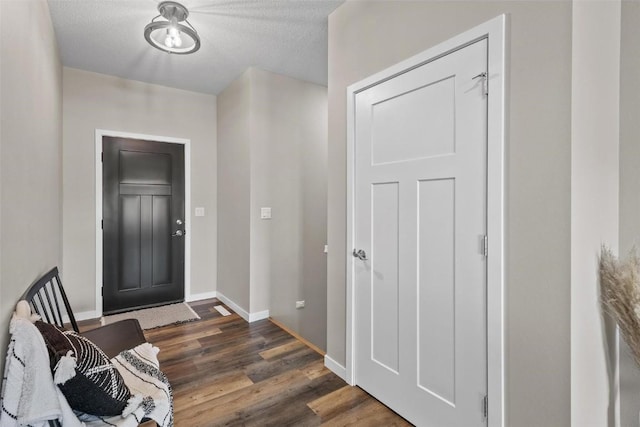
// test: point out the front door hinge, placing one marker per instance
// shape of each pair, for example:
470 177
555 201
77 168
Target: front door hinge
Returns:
102 224
102 157
485 407
485 246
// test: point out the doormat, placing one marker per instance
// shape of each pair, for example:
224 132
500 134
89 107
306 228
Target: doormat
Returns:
155 317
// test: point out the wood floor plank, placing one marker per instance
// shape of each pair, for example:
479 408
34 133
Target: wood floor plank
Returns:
228 406
315 369
211 389
340 401
370 413
289 408
282 349
267 368
179 346
175 351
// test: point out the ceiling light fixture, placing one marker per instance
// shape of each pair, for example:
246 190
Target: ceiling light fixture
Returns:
169 35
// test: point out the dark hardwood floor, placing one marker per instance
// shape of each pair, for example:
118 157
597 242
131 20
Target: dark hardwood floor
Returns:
227 372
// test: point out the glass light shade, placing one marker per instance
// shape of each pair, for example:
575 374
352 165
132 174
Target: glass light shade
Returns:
170 35
168 41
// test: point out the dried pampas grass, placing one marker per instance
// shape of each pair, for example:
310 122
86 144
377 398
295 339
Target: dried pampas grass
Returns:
620 295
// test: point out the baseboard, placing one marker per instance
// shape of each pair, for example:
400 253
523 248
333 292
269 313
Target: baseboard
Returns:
335 367
201 296
83 315
259 315
249 317
233 306
299 337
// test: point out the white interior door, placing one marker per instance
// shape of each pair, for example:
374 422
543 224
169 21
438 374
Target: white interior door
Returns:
420 217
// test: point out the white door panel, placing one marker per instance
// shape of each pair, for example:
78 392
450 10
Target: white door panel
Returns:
384 280
406 117
436 288
420 214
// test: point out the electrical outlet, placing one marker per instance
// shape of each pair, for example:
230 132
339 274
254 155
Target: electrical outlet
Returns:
300 304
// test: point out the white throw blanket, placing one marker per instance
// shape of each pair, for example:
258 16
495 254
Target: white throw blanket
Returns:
29 396
152 393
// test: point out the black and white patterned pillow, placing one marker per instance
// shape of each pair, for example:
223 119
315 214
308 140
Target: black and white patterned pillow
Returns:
97 387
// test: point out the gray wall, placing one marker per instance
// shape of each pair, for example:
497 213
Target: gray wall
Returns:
95 101
234 176
595 164
272 147
262 189
30 152
629 186
291 123
366 37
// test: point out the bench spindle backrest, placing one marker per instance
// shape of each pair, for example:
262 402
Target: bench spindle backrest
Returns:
48 299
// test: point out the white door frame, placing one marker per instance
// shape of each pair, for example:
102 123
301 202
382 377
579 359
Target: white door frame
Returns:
100 133
495 33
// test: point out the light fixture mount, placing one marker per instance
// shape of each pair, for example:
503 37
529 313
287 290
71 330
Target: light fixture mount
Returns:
170 34
170 9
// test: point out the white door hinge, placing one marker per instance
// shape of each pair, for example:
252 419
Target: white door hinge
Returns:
485 246
485 82
485 407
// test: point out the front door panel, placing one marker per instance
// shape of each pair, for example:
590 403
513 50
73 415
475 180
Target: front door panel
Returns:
143 200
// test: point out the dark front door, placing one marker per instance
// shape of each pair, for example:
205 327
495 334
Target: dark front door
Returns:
143 223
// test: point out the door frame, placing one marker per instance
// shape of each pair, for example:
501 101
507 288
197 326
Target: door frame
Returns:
495 33
99 134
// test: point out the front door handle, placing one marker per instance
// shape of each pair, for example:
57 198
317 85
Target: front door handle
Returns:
178 233
360 254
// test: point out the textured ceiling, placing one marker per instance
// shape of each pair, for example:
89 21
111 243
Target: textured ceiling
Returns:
283 36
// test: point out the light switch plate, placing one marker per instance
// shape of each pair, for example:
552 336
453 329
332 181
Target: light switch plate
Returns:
199 211
265 213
